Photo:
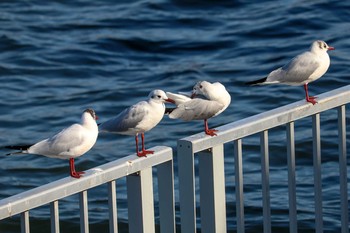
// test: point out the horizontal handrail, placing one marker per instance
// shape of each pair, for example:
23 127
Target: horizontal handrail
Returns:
93 177
269 119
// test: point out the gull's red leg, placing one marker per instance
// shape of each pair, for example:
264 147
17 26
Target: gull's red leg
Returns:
144 152
208 131
137 143
310 99
74 173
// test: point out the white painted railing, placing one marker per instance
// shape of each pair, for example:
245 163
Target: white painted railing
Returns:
211 177
211 166
138 173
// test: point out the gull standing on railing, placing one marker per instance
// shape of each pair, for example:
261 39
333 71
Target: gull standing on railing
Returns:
139 118
70 143
206 101
302 69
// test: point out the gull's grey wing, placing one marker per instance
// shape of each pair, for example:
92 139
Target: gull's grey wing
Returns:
196 109
60 143
300 68
129 118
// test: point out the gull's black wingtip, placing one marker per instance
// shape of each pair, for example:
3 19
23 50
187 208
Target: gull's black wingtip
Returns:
20 149
168 110
256 82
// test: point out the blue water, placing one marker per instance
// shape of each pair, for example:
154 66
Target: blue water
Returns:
59 57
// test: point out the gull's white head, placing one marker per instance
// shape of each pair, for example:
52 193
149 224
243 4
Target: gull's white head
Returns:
201 88
88 119
211 91
320 46
90 113
159 96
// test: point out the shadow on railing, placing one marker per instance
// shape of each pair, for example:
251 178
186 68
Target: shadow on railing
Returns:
138 173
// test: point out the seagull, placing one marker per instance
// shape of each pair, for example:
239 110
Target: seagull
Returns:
207 100
302 69
70 143
139 118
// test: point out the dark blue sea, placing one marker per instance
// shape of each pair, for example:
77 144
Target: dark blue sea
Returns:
58 58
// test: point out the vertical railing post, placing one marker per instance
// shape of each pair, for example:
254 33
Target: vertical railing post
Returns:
112 204
343 170
186 186
165 174
239 185
55 222
140 202
84 212
25 222
317 171
265 180
293 227
212 190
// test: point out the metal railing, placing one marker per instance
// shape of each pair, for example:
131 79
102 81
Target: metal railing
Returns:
138 173
211 166
211 177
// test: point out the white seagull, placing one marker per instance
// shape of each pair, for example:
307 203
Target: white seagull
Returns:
70 143
139 118
206 101
302 69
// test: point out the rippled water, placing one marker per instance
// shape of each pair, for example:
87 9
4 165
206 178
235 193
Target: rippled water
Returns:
59 57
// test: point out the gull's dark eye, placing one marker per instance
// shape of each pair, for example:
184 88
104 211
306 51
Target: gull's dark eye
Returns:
200 86
159 96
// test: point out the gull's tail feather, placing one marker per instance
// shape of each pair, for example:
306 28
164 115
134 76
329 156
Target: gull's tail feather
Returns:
256 82
21 148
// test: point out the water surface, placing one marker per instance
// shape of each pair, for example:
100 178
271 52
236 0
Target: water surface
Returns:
59 57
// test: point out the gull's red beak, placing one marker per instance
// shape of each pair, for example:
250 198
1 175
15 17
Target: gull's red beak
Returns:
170 100
193 95
331 48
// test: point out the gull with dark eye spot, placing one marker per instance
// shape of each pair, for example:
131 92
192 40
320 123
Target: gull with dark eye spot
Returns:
70 143
139 118
302 69
207 100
